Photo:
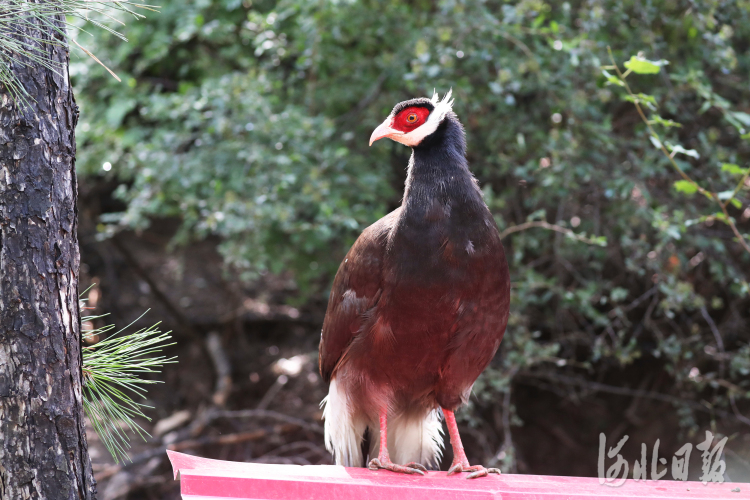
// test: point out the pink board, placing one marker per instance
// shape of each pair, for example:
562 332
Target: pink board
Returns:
206 479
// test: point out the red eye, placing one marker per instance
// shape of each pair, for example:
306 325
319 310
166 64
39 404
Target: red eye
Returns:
410 118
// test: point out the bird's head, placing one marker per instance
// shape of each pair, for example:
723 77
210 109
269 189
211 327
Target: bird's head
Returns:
413 120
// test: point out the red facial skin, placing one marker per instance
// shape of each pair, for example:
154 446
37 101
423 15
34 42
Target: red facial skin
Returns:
401 121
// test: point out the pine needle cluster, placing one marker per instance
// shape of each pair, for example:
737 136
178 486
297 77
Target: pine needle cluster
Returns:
22 22
113 379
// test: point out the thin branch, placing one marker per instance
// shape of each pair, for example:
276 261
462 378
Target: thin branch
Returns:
368 99
739 186
268 414
208 417
614 312
552 227
717 336
508 446
223 369
625 391
272 392
224 439
742 418
709 194
515 41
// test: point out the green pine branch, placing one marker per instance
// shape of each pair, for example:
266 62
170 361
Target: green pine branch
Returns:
112 379
21 19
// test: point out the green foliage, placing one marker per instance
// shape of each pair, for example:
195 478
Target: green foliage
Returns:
113 379
676 148
686 187
733 169
638 64
213 86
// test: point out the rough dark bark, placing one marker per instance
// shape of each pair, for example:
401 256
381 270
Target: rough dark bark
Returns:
43 451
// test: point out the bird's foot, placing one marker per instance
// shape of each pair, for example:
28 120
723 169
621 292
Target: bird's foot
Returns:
410 468
476 470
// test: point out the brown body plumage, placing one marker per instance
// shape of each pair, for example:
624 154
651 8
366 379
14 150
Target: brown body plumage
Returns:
418 307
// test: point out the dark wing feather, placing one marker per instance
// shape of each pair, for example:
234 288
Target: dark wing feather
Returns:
356 289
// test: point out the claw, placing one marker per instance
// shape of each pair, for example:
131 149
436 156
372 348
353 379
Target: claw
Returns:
410 468
455 469
460 462
481 472
476 470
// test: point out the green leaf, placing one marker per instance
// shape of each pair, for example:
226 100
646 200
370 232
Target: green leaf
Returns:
618 294
540 214
705 107
733 169
664 123
118 110
725 195
648 100
736 203
679 149
643 66
615 80
655 142
687 187
743 118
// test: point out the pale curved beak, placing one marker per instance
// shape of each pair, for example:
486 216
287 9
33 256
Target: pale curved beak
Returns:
384 130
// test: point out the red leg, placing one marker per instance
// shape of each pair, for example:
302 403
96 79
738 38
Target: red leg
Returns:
384 460
460 462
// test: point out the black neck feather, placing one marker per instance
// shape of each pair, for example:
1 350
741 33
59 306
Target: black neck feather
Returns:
438 170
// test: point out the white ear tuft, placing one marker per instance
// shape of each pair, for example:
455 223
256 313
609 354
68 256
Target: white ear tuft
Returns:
435 97
443 107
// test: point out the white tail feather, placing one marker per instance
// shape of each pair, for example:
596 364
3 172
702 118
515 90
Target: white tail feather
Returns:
343 432
413 438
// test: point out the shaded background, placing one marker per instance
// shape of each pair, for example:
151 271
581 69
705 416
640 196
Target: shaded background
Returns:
224 179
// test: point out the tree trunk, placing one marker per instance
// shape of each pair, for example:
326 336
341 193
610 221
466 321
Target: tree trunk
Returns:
43 451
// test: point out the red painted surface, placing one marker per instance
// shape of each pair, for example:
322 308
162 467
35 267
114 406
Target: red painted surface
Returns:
205 479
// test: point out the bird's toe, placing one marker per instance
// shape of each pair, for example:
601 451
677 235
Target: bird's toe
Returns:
480 471
475 470
411 468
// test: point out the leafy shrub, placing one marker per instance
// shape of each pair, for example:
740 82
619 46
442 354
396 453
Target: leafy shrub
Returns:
249 120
